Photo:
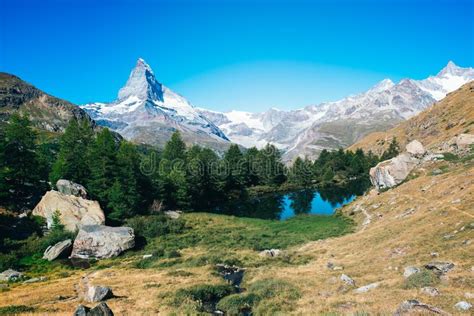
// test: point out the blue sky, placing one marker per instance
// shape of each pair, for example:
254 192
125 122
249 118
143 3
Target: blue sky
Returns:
247 55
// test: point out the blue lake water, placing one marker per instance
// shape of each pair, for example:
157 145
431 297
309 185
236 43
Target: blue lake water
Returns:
282 206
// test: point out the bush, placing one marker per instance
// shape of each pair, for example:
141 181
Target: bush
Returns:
204 293
155 225
238 304
421 279
269 288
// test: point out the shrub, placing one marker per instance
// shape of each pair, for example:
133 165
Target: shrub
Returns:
450 157
421 279
269 288
155 225
204 293
237 304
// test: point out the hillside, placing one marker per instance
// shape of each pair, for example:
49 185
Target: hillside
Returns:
45 111
426 219
434 127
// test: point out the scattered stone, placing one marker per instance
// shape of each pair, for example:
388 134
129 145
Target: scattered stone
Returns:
431 291
61 249
407 213
147 256
70 188
332 266
436 172
347 280
469 295
101 309
415 149
456 201
98 294
81 310
97 241
367 287
34 280
270 253
440 267
408 271
466 242
434 254
232 274
173 214
414 305
463 306
74 212
448 236
10 275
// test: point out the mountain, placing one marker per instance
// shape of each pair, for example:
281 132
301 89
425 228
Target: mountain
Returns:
331 125
434 127
148 112
45 111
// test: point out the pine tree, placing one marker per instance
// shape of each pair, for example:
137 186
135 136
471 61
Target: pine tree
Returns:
234 166
301 172
392 151
103 167
19 168
270 168
72 162
251 167
175 148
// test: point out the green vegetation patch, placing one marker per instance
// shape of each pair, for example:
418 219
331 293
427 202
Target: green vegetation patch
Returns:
421 279
16 309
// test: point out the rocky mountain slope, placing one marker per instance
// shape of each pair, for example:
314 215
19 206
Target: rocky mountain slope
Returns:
46 112
332 125
435 127
148 112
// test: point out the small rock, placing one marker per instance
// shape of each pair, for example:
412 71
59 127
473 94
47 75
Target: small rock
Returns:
456 201
414 305
437 172
347 280
408 271
147 256
62 248
463 306
101 309
367 287
440 267
10 275
466 242
98 294
337 268
431 291
270 253
448 236
173 214
415 149
434 254
468 295
34 280
81 310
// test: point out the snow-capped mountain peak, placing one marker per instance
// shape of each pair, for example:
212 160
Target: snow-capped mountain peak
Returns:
147 111
382 85
142 84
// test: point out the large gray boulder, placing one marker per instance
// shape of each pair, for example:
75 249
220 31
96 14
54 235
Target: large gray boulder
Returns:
392 172
70 188
97 241
60 249
101 309
98 294
74 211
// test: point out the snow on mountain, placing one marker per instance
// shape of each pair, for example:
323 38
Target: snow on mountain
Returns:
330 125
147 111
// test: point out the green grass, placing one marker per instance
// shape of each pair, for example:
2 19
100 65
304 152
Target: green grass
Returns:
229 232
16 309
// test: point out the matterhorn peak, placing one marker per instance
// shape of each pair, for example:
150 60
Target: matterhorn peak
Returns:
451 69
142 84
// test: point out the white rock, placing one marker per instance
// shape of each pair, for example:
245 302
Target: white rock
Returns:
270 253
347 280
408 271
464 140
431 291
463 306
415 149
10 275
53 252
74 212
366 288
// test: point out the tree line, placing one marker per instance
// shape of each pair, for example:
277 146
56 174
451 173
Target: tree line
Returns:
127 178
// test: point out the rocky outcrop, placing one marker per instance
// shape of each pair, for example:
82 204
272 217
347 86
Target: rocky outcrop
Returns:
61 249
409 271
413 306
347 280
391 172
440 267
101 309
74 211
70 188
366 288
97 241
270 253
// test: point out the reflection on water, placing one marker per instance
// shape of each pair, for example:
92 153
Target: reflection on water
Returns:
286 205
